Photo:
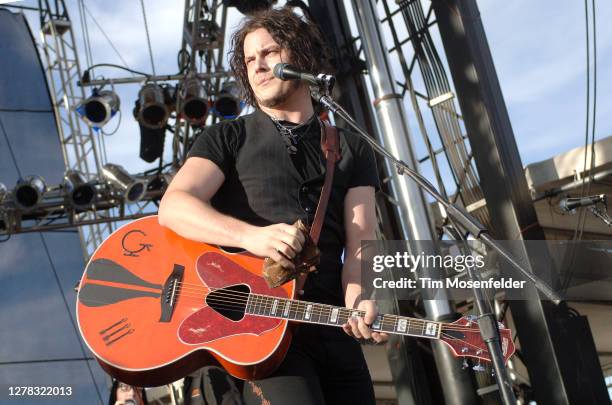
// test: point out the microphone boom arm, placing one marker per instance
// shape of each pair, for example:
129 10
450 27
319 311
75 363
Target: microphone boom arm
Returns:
467 221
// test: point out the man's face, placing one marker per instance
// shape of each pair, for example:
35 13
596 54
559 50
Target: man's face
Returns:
261 54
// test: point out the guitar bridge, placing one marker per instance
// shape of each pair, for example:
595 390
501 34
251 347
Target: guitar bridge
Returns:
170 293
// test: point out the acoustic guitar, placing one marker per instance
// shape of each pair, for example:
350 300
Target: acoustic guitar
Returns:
153 306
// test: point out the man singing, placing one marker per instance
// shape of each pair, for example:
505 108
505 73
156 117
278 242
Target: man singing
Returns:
246 180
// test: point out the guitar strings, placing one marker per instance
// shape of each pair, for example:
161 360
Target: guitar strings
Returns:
233 308
200 292
234 294
240 306
301 305
387 320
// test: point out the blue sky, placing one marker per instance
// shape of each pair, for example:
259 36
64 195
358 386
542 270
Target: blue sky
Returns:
538 48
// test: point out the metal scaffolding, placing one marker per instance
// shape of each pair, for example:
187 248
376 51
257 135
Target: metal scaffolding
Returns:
417 47
80 148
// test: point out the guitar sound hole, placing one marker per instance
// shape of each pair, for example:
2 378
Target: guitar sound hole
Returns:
229 301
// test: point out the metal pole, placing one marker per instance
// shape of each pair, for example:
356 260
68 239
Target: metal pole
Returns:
414 383
549 337
412 213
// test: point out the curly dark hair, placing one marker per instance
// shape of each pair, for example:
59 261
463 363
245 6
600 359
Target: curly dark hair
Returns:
308 50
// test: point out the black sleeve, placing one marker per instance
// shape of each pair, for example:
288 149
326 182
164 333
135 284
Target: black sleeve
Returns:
365 172
217 144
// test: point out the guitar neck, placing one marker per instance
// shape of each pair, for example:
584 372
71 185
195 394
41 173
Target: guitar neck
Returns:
323 314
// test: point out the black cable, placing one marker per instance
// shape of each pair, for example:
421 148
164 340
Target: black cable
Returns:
588 112
183 68
116 66
592 163
59 286
8 363
579 230
54 271
8 144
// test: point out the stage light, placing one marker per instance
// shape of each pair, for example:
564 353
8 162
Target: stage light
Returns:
130 189
194 102
228 103
80 193
151 143
152 111
29 191
249 7
98 109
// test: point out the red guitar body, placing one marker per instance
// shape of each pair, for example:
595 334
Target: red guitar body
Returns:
144 333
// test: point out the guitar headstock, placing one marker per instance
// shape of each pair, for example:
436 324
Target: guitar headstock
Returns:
463 338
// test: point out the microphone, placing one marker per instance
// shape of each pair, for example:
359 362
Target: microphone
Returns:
285 71
570 204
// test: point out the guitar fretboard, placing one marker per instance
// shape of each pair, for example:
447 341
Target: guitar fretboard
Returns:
323 314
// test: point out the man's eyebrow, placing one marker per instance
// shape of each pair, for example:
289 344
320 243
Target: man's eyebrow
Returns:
264 49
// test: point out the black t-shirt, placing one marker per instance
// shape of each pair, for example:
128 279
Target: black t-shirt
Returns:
264 184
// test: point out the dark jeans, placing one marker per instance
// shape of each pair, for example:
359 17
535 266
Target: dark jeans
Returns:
323 366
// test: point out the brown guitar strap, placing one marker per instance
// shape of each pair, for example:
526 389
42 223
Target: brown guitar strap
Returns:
276 275
330 145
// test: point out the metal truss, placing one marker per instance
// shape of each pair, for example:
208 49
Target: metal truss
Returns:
411 44
201 52
78 143
83 149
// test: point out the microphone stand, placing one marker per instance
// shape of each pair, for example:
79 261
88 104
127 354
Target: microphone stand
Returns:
487 322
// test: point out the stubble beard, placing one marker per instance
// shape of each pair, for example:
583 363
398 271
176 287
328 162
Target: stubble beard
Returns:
279 98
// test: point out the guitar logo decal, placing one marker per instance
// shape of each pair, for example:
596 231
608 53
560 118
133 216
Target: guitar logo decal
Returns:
141 246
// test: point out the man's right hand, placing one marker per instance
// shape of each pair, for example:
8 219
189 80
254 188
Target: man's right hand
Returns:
279 242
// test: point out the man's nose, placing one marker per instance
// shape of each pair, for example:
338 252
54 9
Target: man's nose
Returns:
261 65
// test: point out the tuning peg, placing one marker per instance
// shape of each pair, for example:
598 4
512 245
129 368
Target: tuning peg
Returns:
492 372
471 318
478 367
465 364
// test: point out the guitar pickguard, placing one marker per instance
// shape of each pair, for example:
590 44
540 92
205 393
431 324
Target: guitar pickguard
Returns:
205 325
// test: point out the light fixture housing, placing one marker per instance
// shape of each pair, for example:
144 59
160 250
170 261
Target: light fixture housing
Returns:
194 101
98 109
152 110
28 192
80 193
227 103
129 188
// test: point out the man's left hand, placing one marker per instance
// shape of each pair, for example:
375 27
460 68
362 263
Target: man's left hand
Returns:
359 327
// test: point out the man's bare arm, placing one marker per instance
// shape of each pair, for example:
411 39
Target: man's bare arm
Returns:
186 209
359 224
